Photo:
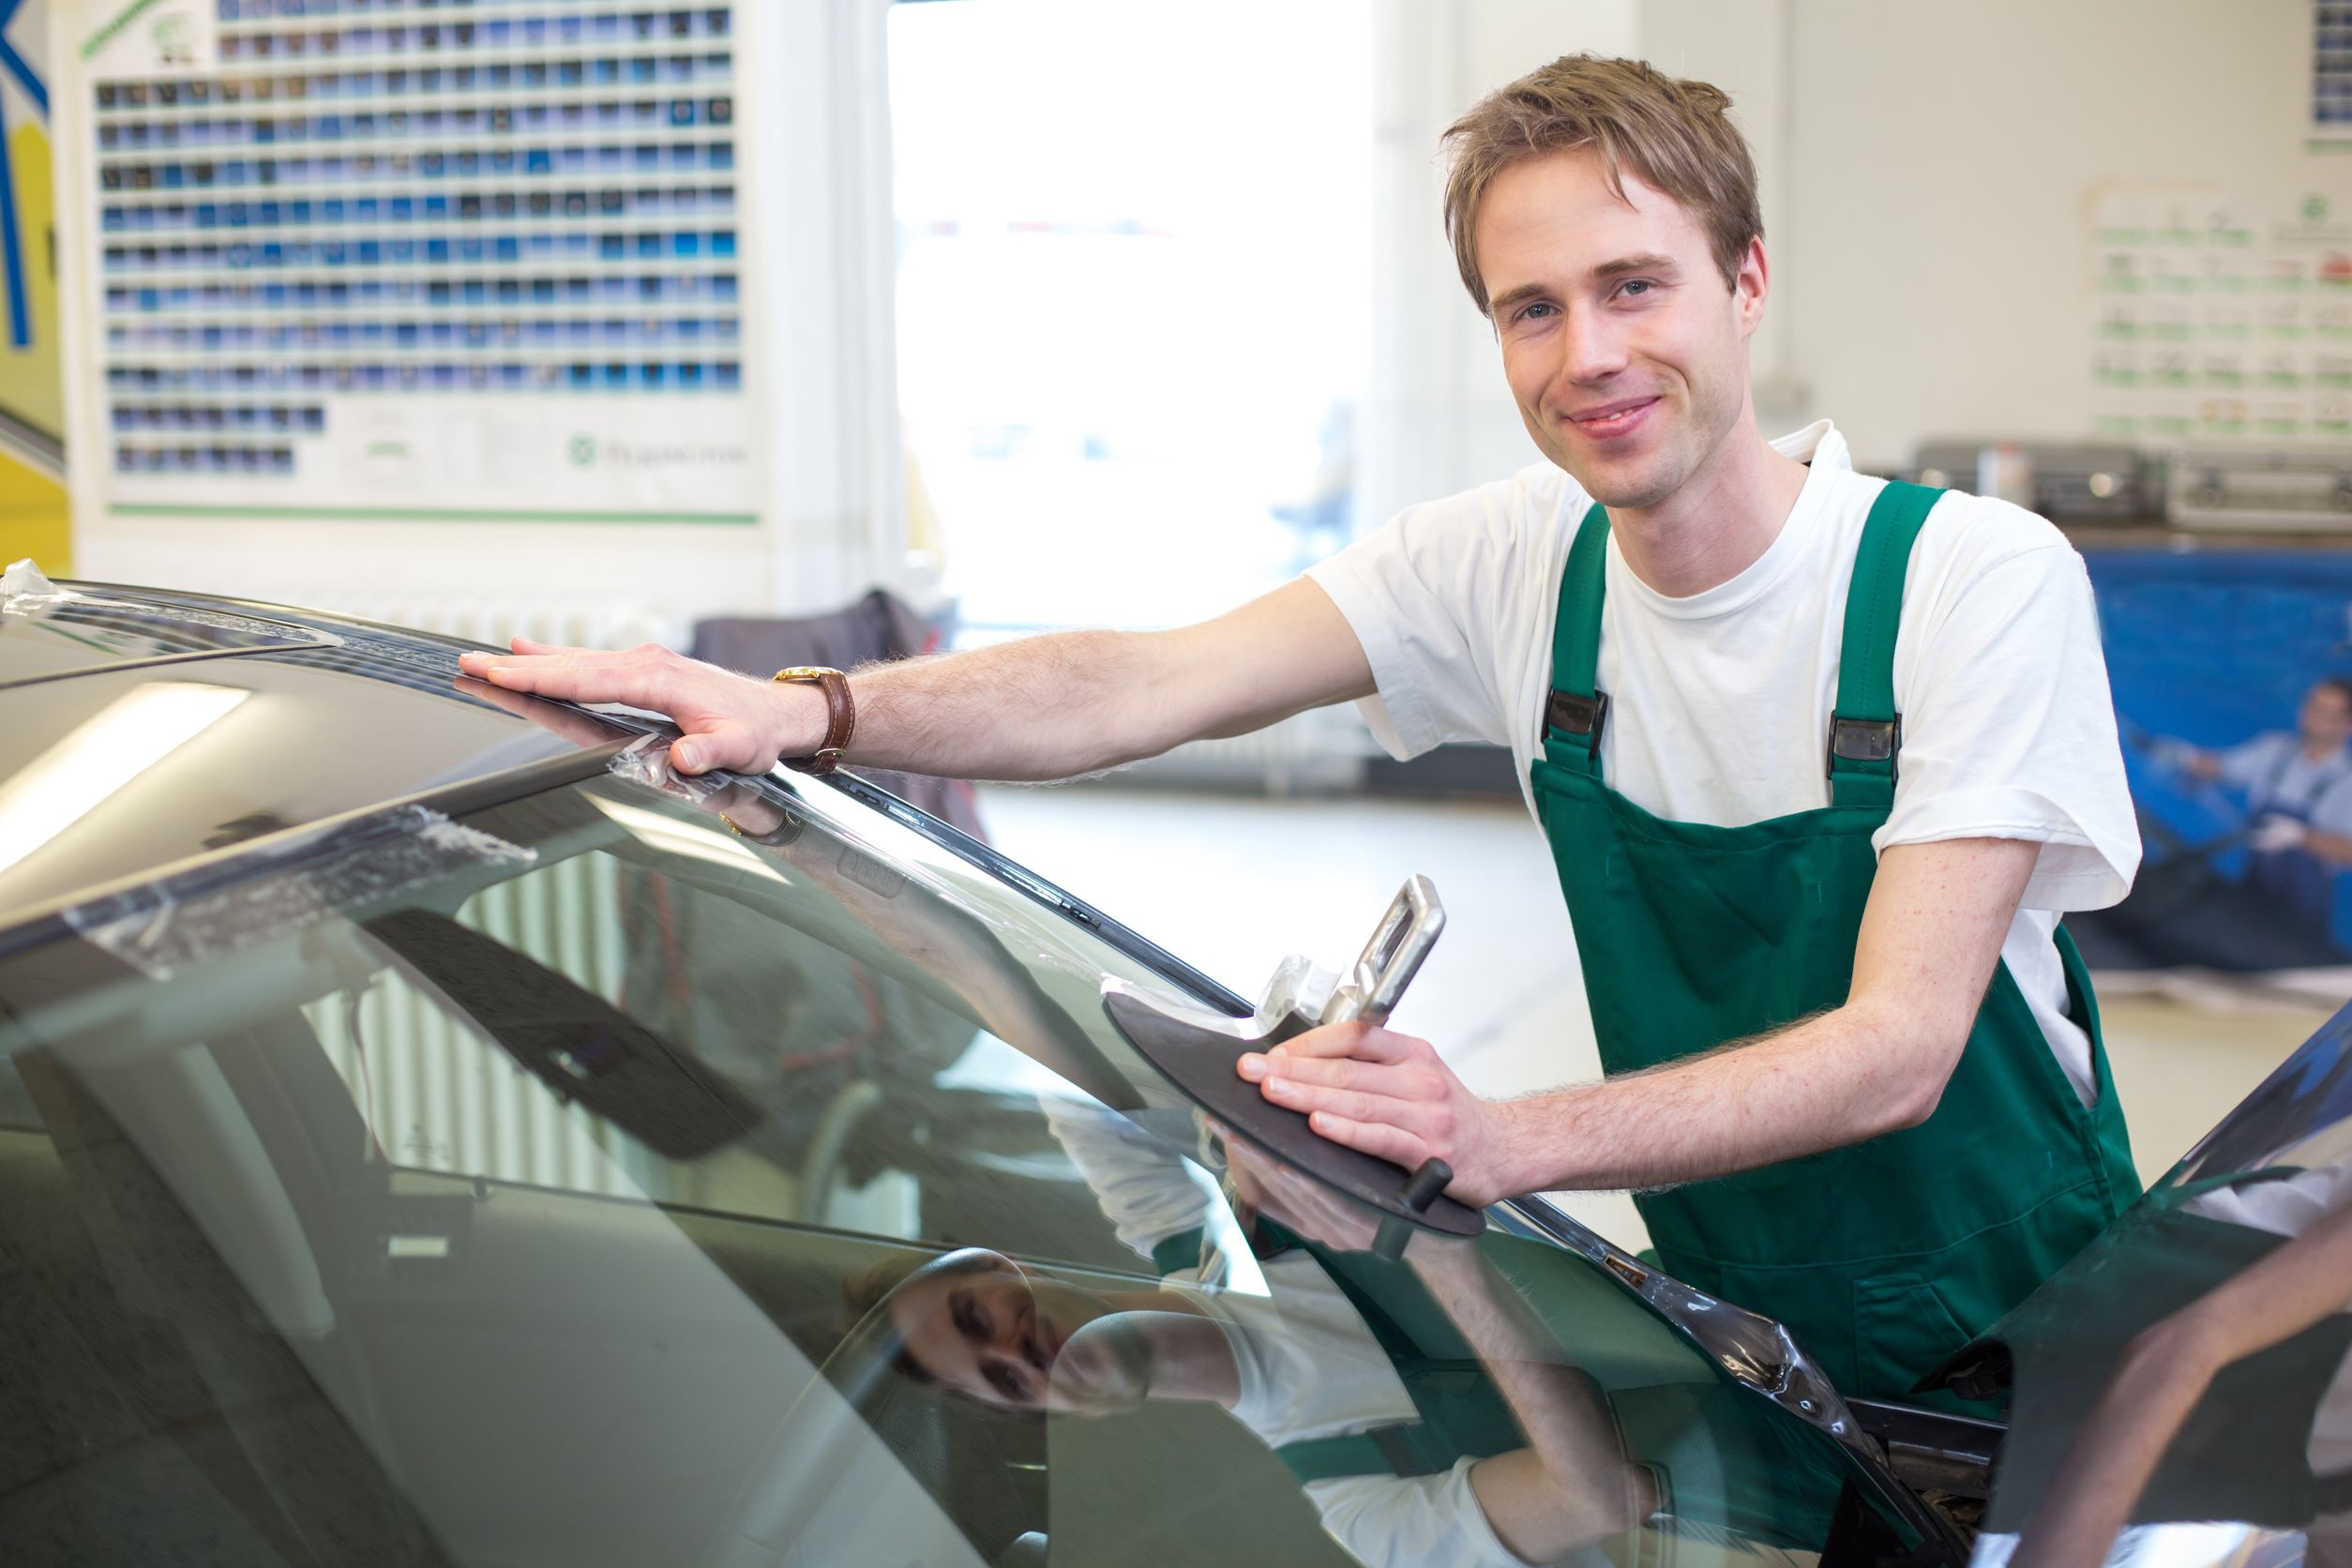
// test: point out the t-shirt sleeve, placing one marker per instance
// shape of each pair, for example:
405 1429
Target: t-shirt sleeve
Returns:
2008 730
2332 811
1414 592
1385 1520
1143 1189
2252 763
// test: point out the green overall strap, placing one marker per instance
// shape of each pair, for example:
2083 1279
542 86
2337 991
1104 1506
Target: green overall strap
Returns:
1576 709
1865 732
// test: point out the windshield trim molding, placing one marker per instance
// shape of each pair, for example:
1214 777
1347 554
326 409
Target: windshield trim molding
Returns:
1757 1353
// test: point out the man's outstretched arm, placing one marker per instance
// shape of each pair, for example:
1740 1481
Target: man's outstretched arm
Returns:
1040 708
1930 936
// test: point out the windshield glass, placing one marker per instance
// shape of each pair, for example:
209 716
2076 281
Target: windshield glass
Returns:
2184 1389
608 1180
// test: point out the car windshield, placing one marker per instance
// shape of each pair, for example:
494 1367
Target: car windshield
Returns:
614 1177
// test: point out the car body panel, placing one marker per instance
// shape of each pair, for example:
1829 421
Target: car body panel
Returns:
522 1178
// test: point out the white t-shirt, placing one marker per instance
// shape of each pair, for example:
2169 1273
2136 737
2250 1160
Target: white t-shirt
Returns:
1308 1366
2277 774
1720 703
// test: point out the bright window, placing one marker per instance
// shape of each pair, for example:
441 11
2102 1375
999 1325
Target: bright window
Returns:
1132 297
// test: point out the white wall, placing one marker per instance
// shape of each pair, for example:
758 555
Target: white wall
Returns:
1928 167
1925 171
1437 416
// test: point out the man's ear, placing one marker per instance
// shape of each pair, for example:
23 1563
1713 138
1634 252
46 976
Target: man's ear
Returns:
1750 285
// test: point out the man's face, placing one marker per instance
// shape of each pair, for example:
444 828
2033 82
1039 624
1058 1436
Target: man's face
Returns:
2326 717
1625 352
1003 1337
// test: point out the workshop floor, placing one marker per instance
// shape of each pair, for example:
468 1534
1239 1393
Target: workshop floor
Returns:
1234 882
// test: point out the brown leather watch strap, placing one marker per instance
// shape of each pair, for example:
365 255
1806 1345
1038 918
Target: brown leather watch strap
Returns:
840 717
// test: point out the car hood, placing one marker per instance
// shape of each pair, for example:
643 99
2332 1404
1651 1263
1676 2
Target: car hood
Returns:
2274 1166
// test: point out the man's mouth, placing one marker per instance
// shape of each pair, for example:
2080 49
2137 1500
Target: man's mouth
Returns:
1611 420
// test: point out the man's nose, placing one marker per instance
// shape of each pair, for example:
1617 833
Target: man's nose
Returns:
1592 349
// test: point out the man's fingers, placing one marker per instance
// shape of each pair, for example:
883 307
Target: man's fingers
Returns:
726 745
1374 1078
1353 1104
1363 1041
1392 1144
526 645
568 678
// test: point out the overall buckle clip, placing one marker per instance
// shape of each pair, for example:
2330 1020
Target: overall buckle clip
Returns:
1864 740
1574 714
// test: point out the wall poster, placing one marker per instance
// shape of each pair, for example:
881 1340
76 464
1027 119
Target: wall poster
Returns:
2219 318
394 258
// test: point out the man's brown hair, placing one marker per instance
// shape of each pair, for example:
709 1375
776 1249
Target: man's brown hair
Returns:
1676 136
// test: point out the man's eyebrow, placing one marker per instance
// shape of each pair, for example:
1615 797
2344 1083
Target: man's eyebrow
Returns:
1649 261
1525 290
1624 265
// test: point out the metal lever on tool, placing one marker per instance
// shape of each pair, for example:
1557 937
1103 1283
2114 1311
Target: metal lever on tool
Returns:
1376 982
1369 993
1196 1051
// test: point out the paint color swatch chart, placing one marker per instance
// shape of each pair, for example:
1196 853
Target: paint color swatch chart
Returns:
2219 318
385 256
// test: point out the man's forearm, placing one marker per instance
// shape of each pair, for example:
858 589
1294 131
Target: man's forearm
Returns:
1044 707
1835 1078
2334 849
1572 1485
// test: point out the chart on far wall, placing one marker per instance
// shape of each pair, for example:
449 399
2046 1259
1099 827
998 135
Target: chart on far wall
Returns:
385 258
2220 318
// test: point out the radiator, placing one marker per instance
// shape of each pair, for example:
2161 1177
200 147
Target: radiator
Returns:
437 1096
492 621
1321 751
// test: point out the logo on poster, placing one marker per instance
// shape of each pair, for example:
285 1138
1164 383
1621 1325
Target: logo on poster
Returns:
650 457
174 40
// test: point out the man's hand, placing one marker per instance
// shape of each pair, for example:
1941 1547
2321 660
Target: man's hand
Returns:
1264 1185
729 721
2277 833
1389 1094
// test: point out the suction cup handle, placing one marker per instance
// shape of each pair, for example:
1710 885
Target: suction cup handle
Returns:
1389 961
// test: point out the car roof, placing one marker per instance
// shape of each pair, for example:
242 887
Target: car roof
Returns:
144 729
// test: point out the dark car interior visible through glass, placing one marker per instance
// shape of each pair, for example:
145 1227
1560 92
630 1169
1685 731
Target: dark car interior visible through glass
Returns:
636 1205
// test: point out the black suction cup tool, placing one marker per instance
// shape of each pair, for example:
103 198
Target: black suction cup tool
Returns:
1199 1061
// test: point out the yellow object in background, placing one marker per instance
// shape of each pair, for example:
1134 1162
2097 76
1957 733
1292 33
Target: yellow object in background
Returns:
35 521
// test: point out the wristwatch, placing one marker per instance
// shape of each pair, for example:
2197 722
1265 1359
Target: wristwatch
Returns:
840 717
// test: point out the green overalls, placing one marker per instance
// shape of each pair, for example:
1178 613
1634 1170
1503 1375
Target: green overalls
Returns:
1715 1457
1885 1256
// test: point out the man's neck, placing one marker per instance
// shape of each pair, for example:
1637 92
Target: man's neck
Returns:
2319 751
1719 523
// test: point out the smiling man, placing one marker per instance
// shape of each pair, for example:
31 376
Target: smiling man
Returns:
1820 760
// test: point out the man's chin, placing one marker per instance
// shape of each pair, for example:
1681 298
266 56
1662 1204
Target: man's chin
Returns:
1621 484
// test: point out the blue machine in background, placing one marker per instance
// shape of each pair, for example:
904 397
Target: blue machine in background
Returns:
2215 647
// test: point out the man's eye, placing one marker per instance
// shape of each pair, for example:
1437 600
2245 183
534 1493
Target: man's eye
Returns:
1639 286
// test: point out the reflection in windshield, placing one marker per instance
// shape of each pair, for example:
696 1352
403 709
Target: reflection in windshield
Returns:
2220 1388
528 1219
1408 1456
